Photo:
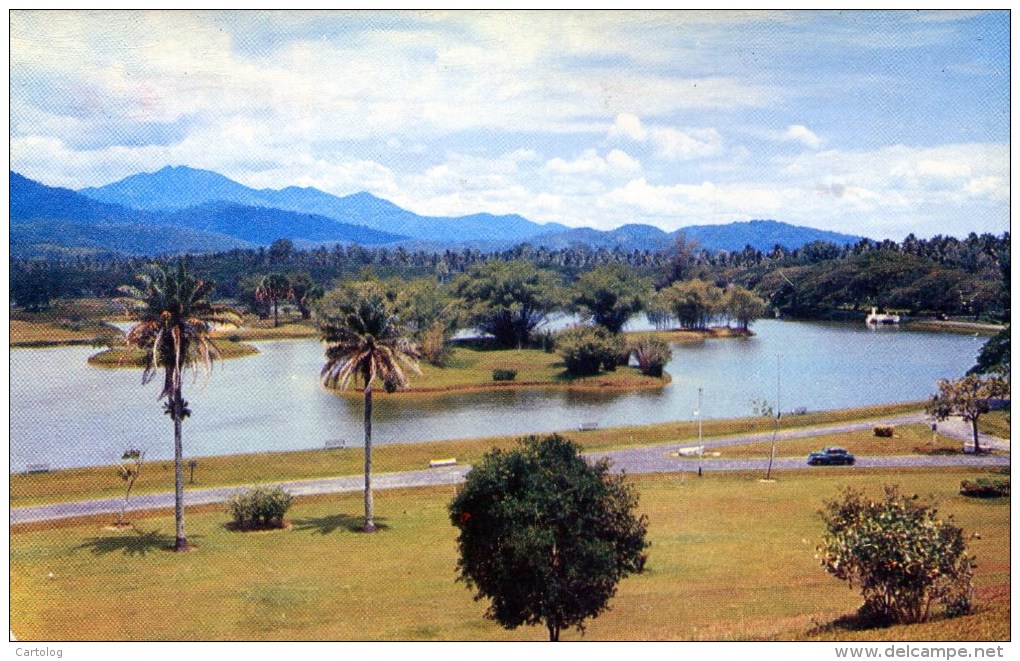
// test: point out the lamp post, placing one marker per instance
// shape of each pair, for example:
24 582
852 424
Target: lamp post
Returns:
779 415
701 445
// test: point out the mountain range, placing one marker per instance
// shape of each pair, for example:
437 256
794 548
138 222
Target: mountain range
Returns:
182 209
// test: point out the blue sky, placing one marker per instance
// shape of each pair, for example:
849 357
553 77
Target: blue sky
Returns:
875 123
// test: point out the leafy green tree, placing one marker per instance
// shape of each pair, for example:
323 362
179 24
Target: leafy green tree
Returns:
366 341
546 536
968 398
305 293
587 349
743 306
899 553
34 285
280 251
693 302
430 313
659 311
994 356
611 295
508 300
683 261
174 323
271 289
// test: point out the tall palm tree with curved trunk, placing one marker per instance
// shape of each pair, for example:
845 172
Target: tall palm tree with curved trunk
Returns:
366 341
173 329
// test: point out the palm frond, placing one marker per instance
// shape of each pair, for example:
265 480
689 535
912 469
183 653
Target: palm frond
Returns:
367 341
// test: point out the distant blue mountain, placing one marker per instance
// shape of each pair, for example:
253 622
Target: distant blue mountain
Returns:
184 187
262 225
173 188
209 211
761 234
627 237
46 219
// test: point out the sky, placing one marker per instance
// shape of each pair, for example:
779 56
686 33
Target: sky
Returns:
872 123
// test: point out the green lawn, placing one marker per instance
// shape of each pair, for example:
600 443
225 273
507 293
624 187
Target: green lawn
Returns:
995 423
731 558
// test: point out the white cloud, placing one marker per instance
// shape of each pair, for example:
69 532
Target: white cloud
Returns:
615 163
679 145
667 142
802 134
451 113
627 126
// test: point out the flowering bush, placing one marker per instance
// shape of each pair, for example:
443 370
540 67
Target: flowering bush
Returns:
260 507
901 555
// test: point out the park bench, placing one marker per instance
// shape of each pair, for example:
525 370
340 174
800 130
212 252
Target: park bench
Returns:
37 468
588 426
439 463
335 444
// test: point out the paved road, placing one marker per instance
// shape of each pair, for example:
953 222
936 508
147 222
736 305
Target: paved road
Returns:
652 459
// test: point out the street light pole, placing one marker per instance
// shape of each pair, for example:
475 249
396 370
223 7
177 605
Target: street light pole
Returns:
779 415
701 445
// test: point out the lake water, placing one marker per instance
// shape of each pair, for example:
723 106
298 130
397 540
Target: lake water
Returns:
66 413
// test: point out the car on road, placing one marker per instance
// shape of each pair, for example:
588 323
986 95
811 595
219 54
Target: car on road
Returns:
831 456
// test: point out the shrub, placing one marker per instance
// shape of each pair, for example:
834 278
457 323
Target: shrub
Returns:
260 507
434 346
651 355
884 431
504 375
985 487
901 555
546 340
587 349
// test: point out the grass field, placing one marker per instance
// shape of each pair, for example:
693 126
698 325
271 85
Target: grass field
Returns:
905 440
995 423
157 476
731 558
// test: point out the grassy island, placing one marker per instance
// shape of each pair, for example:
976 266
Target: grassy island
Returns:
472 369
135 358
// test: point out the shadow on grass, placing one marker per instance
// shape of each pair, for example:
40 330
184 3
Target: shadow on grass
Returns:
325 525
137 542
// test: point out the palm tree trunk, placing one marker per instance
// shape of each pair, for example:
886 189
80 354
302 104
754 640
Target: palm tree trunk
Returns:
369 510
181 543
974 427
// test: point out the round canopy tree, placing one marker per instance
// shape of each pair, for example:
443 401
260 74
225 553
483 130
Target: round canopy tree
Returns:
508 300
546 536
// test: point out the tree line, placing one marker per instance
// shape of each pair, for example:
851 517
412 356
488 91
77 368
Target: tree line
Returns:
940 276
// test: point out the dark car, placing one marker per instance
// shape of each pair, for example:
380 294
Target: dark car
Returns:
831 456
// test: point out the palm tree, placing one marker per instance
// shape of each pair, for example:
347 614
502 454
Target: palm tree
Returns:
367 341
173 329
272 288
